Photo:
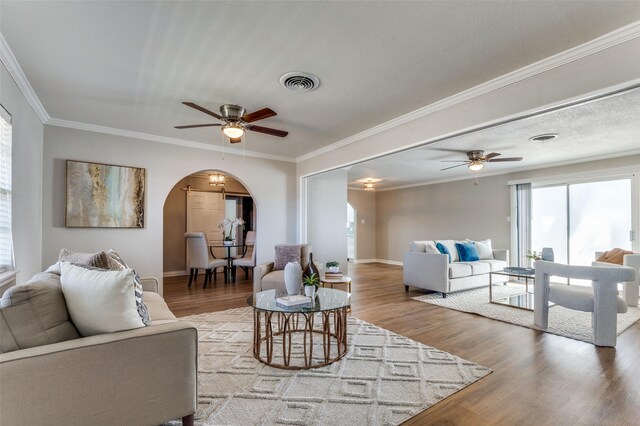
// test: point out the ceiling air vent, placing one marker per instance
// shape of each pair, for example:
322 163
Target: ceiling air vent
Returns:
544 138
300 81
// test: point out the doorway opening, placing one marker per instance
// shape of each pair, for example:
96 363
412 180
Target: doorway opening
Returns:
351 233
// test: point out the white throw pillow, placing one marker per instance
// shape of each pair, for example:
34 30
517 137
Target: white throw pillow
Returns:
100 301
430 248
484 249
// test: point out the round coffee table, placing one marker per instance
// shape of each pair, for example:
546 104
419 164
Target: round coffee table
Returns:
325 317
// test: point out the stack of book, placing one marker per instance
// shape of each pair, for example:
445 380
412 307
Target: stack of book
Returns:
332 275
293 300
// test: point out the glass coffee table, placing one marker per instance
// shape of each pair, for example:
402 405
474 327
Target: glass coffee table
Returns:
522 300
278 329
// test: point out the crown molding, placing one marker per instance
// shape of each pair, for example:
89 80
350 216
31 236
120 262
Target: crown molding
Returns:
614 38
15 70
163 139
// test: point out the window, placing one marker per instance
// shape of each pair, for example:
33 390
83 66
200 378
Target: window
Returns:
6 244
576 219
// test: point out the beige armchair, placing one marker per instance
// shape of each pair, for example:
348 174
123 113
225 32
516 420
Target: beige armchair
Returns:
265 278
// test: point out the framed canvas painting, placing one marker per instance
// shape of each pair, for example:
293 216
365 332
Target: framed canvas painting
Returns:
104 196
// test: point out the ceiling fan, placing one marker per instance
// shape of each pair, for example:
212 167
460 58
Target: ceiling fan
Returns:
477 159
236 122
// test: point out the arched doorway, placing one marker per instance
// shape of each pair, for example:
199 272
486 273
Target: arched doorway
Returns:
181 214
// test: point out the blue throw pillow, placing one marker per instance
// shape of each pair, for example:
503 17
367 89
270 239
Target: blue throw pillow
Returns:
467 252
443 250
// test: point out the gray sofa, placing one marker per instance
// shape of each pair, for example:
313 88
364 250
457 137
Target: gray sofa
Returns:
434 272
144 376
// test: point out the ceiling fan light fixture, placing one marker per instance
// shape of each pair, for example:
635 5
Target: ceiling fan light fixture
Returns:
476 166
233 130
216 179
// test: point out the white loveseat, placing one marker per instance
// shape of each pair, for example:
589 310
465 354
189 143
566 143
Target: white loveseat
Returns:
432 271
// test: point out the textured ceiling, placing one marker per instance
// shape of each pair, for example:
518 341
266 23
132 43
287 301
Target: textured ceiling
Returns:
128 65
604 127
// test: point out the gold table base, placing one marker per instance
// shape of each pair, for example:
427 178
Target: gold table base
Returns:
287 323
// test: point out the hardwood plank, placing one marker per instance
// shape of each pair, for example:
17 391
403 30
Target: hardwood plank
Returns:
538 378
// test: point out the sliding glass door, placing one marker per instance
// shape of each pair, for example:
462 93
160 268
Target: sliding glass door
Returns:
577 220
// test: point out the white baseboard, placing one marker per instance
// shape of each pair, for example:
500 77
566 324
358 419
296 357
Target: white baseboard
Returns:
388 262
168 274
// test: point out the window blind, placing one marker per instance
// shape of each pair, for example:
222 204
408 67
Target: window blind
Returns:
6 242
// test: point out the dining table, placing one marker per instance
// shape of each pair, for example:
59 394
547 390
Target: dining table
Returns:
229 276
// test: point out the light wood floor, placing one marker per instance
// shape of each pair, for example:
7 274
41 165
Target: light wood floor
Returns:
538 378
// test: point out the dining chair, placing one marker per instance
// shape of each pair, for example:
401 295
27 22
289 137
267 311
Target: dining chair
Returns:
248 258
198 258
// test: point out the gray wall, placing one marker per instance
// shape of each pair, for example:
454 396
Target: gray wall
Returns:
271 184
26 175
452 210
458 210
175 219
364 203
327 216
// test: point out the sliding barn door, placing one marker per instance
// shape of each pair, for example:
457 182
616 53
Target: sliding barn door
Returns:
205 211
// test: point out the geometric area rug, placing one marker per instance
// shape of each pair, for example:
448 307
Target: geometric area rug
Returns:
562 321
384 379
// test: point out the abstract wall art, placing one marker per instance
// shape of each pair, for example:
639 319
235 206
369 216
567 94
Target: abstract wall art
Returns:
104 196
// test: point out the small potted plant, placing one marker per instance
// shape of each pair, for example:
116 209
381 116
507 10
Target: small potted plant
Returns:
310 285
534 255
333 266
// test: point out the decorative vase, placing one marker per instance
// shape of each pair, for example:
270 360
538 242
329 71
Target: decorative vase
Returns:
310 291
227 243
334 269
311 268
547 254
293 278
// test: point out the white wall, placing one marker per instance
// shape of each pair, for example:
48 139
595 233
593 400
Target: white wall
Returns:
327 216
271 183
26 178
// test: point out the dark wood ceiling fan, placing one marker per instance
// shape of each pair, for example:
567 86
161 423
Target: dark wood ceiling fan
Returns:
235 122
477 159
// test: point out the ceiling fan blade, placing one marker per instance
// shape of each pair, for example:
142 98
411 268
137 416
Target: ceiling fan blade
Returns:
268 131
195 125
259 115
452 167
235 140
202 109
491 155
497 160
455 161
